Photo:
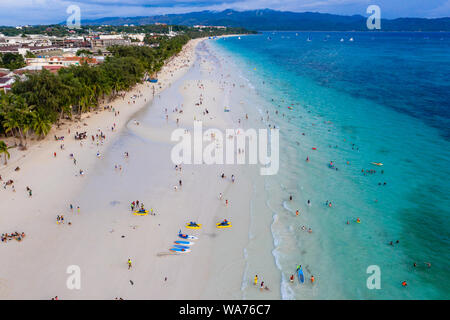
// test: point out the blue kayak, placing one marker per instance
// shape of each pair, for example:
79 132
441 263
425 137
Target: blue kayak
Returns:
186 236
301 278
180 246
180 250
182 242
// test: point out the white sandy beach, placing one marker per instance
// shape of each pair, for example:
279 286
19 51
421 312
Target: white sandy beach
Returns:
104 234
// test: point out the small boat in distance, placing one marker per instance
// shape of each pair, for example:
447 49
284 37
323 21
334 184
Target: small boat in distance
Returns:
351 39
342 39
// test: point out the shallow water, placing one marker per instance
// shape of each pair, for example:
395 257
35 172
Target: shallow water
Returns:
382 98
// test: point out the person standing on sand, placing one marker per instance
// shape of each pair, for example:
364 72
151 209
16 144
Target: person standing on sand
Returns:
255 282
129 263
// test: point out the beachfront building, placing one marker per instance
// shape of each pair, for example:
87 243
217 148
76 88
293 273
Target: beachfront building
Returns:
59 61
104 41
32 43
23 49
40 43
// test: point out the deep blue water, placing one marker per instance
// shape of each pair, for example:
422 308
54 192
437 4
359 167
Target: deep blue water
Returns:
384 97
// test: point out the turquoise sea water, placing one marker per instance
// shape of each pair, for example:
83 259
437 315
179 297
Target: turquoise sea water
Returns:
384 97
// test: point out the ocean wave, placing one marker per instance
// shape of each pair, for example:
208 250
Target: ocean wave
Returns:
287 293
244 283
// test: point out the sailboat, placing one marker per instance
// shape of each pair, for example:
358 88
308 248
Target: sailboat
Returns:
351 39
342 39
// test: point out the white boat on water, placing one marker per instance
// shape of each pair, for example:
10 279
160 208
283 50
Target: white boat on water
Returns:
309 40
239 38
351 39
342 39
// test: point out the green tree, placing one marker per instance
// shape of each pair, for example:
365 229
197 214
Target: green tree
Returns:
13 61
41 125
16 115
4 150
30 54
83 53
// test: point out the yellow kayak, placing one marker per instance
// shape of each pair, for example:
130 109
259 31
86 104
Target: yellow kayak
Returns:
377 163
140 213
219 225
197 227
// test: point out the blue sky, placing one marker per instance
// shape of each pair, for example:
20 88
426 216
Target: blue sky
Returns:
20 12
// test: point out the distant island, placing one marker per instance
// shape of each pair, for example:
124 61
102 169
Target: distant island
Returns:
266 19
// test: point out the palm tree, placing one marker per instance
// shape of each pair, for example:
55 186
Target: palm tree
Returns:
10 123
16 116
41 125
4 149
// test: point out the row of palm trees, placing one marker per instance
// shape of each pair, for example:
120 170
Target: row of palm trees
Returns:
44 98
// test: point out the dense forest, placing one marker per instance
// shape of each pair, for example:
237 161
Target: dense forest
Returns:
33 105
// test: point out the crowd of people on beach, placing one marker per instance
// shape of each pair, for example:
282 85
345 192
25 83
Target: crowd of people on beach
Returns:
12 236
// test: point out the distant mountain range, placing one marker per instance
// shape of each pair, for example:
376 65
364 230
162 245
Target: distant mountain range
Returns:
267 19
